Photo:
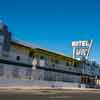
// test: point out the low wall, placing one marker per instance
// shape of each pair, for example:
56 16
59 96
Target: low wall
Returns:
37 84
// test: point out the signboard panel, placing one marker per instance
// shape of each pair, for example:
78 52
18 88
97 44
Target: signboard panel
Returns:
81 49
81 43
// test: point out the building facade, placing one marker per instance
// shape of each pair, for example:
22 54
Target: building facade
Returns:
22 61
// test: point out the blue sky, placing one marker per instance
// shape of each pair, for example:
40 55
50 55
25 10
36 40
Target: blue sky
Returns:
54 24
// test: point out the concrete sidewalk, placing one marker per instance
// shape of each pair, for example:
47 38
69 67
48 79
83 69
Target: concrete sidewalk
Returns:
46 88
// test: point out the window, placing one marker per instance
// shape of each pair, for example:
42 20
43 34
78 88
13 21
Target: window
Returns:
49 76
70 68
70 63
33 57
75 64
31 54
18 58
28 73
56 61
88 64
15 72
53 65
41 57
1 70
67 64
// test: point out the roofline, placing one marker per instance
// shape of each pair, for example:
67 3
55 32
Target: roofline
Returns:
23 43
56 54
31 46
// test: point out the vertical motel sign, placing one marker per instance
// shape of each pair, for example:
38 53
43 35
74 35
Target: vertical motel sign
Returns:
81 49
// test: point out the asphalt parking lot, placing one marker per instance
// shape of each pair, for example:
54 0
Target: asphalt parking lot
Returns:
49 95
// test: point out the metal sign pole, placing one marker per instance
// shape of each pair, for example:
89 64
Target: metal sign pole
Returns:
73 52
89 48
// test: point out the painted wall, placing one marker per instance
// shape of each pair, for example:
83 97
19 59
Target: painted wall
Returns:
37 84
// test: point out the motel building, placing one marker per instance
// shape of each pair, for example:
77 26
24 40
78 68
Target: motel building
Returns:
23 64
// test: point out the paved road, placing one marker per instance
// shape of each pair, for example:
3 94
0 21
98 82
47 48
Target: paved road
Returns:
49 95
